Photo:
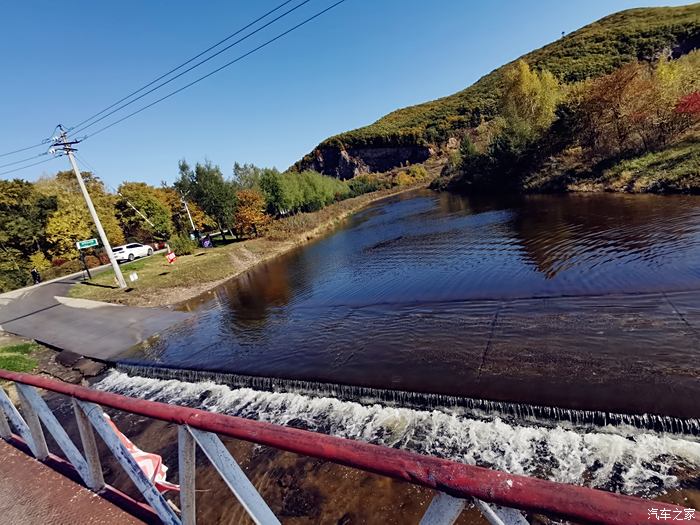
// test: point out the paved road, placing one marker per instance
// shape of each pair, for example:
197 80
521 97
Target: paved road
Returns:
92 329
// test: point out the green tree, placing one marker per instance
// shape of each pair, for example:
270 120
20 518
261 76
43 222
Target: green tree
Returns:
72 221
528 101
171 199
247 176
205 184
146 200
24 213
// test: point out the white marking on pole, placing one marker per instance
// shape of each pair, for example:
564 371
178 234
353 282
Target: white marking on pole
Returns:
234 477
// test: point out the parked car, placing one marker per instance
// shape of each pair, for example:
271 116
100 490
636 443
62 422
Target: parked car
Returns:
129 252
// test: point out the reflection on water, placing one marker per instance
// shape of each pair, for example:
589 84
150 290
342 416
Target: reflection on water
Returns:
534 298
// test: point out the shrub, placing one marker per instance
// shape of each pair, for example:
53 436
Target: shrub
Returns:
39 261
92 261
363 184
181 244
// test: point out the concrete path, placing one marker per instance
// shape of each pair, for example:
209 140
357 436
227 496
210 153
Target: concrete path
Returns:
92 329
32 493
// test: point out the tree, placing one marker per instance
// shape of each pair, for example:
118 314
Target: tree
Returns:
528 101
271 187
172 200
247 176
24 213
72 221
145 199
208 188
250 217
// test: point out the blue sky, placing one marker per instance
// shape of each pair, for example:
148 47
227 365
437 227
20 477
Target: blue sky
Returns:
363 59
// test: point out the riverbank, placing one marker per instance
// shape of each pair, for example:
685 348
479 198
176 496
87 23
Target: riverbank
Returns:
162 284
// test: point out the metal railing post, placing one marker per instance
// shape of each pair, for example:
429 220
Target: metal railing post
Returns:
5 431
95 480
154 498
30 398
234 477
443 510
18 422
186 451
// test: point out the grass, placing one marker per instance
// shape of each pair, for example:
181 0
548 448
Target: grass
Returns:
675 169
160 283
17 358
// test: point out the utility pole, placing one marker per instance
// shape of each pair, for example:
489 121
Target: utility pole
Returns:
184 202
66 145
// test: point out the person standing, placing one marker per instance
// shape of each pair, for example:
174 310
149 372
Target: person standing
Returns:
36 277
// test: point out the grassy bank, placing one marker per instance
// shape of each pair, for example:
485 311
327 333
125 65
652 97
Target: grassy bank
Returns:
161 284
18 357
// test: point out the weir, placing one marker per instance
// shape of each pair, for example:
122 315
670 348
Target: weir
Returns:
419 400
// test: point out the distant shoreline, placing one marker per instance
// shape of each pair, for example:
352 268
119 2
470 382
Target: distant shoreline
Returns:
194 275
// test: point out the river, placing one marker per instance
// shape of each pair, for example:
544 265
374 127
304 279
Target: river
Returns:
554 336
577 301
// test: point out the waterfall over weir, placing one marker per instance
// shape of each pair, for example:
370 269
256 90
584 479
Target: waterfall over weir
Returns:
418 400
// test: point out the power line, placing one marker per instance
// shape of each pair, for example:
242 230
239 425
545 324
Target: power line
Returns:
122 106
23 160
27 148
42 143
182 65
241 57
29 165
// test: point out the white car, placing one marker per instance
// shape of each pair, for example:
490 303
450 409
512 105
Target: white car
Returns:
129 252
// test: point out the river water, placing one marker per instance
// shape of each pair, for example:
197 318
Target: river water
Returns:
576 301
462 314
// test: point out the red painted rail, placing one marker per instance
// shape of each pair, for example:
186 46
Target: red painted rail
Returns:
457 479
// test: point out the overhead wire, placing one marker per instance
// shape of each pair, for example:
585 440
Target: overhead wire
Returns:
196 81
20 150
23 160
166 82
183 64
30 165
27 148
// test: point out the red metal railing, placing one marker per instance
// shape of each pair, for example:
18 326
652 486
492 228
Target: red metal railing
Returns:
456 479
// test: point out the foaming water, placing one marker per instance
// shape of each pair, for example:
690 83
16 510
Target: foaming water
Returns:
618 458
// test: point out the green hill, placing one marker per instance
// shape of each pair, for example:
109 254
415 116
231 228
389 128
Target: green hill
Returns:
416 133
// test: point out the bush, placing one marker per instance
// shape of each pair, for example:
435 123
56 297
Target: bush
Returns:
66 268
92 261
181 244
39 261
364 184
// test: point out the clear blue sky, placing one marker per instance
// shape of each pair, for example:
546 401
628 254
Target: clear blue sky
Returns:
65 61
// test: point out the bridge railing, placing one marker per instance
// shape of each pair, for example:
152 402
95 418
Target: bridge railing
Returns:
500 497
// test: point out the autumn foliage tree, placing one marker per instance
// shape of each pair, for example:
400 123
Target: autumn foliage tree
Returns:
250 218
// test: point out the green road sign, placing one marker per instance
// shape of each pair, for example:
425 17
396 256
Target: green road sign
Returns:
86 244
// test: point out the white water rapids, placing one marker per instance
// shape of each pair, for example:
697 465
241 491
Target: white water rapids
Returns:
616 458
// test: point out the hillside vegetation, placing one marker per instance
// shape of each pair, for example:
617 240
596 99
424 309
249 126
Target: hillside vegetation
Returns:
646 35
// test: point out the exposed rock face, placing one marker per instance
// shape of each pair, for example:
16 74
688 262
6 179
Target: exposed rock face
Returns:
346 163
